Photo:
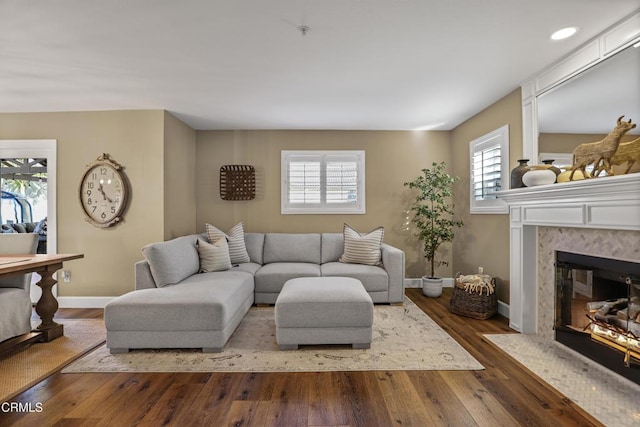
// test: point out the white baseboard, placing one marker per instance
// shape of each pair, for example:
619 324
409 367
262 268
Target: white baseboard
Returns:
417 283
503 309
413 283
83 302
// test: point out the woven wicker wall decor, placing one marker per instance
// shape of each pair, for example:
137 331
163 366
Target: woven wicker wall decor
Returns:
237 182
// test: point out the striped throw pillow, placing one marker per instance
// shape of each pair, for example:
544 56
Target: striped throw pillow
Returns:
362 248
235 239
214 256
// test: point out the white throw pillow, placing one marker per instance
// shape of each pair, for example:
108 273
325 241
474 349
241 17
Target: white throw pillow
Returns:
214 256
362 248
235 239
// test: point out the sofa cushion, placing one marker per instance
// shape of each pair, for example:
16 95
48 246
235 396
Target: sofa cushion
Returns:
332 247
20 228
203 302
172 261
362 248
235 238
254 243
271 277
247 267
285 247
213 256
373 278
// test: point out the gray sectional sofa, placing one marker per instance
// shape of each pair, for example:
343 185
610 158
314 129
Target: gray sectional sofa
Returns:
175 306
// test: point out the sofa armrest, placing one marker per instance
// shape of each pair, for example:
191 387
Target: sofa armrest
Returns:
143 277
393 261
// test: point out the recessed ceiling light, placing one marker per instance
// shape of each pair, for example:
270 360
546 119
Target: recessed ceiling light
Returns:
564 33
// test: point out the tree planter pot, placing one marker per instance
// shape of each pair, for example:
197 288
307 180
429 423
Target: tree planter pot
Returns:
432 286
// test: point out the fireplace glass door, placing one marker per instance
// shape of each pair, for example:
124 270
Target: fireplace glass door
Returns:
598 309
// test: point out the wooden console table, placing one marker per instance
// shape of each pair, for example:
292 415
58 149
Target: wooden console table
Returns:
45 266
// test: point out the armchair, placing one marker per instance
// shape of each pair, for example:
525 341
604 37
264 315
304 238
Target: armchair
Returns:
15 300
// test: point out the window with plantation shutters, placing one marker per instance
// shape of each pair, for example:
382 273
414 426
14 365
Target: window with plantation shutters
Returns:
316 182
304 181
489 171
486 173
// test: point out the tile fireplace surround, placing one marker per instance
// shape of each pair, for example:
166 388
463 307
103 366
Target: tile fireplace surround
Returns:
598 216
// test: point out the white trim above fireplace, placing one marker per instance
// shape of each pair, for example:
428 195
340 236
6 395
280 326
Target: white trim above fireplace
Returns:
611 203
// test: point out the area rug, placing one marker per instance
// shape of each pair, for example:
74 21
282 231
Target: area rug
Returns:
609 398
404 338
25 367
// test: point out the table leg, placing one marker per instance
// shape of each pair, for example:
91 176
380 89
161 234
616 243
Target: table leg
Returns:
48 305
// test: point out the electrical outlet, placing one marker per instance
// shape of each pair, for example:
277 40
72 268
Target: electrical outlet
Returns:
66 276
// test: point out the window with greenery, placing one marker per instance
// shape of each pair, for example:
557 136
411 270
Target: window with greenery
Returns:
489 156
24 189
323 182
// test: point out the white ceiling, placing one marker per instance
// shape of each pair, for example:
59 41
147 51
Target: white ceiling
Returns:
243 64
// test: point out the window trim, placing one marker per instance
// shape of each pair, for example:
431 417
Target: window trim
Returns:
490 206
356 209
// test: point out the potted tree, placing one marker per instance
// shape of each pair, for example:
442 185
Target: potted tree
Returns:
433 216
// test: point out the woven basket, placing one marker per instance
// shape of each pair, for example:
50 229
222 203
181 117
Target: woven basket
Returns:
475 304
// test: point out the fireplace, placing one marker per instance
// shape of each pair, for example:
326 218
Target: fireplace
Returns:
597 310
597 217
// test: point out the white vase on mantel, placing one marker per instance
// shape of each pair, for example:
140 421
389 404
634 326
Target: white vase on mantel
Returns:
432 286
537 176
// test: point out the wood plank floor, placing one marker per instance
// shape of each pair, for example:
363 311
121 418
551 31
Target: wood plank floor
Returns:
504 394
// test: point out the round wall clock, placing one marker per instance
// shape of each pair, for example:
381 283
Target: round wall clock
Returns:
104 192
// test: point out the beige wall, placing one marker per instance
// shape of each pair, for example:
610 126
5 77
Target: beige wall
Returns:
163 157
484 239
567 142
392 158
179 178
563 142
133 138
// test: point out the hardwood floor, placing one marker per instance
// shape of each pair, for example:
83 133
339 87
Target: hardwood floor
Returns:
504 394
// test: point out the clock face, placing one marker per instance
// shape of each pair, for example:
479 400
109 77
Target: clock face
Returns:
103 193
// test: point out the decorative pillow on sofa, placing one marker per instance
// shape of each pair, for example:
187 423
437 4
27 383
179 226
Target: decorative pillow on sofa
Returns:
172 261
6 228
362 248
41 227
235 239
214 256
20 228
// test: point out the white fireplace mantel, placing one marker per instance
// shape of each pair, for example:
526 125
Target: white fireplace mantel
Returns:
607 203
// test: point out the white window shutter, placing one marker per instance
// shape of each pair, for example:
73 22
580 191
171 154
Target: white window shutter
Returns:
323 182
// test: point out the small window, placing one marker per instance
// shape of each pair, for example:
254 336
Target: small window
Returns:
322 182
489 156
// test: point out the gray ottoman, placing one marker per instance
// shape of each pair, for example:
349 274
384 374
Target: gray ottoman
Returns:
323 310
